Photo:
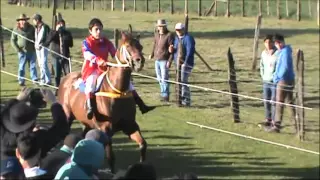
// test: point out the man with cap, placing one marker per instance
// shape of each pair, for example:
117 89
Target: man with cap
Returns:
41 32
60 64
267 67
185 55
24 48
87 158
284 79
54 161
162 40
11 169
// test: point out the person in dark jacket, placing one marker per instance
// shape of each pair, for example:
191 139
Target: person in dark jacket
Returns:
162 40
55 37
185 55
54 161
29 154
19 117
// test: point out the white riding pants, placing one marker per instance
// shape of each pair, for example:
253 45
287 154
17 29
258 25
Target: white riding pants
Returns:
91 83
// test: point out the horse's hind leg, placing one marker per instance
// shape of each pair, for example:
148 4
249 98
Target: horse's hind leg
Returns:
137 137
108 147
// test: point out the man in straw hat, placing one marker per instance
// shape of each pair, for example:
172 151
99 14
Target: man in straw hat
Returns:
24 48
160 52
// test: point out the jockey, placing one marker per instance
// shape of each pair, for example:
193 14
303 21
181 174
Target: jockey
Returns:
95 49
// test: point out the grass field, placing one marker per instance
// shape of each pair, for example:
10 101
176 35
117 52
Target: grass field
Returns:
175 146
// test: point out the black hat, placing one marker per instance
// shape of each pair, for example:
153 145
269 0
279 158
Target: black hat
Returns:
19 117
29 146
71 140
268 37
278 37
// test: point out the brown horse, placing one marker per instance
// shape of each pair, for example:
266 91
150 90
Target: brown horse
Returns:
114 107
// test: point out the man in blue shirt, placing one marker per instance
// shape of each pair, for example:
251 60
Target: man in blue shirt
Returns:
186 58
284 79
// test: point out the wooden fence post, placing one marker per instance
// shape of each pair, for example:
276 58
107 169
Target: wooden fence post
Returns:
186 7
116 37
287 8
65 4
256 43
48 4
210 9
199 7
300 95
147 5
260 7
278 9
1 44
74 4
310 8
228 9
92 5
318 12
134 5
268 8
216 8
159 6
234 103
298 10
242 4
123 6
112 5
171 7
82 5
40 4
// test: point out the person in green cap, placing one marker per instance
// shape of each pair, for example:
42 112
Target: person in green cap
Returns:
24 48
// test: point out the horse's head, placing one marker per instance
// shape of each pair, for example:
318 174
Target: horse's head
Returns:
131 50
33 95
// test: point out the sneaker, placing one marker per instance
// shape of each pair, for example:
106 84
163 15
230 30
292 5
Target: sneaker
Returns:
273 128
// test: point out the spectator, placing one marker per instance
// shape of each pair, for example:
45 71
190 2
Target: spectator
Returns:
12 169
60 64
87 158
24 48
29 153
97 135
185 55
162 40
54 161
41 32
284 80
267 67
138 171
20 117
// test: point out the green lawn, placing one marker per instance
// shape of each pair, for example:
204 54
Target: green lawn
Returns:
175 146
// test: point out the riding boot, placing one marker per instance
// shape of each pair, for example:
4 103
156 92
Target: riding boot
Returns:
142 106
89 107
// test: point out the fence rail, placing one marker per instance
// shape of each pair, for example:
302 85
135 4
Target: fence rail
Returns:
293 9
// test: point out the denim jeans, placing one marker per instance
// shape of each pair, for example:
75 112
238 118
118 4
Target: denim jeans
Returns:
162 74
60 65
42 57
269 93
29 57
185 90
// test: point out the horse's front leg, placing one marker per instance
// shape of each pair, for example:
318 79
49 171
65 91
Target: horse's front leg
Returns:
137 137
108 148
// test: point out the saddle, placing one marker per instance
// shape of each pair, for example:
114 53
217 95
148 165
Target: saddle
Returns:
81 84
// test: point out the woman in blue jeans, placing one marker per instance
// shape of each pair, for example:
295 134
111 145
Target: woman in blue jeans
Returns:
160 52
267 67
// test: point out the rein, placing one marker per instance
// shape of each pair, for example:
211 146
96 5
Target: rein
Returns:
117 94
